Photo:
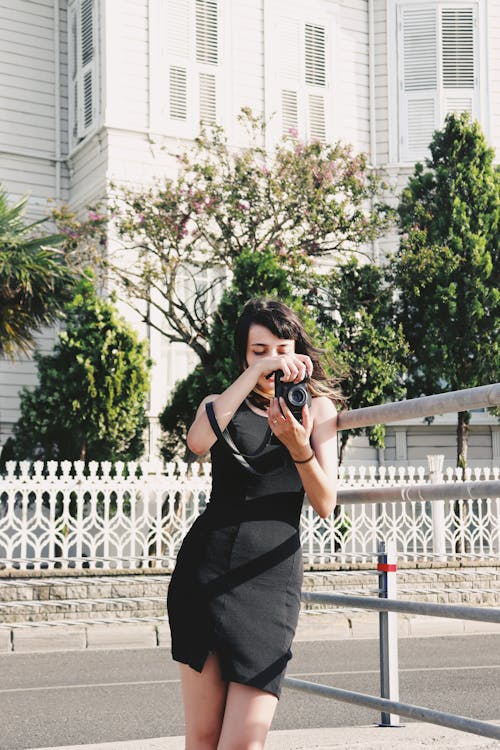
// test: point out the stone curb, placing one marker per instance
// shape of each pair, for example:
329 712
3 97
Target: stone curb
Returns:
313 626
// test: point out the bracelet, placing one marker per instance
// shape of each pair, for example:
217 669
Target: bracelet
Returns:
306 460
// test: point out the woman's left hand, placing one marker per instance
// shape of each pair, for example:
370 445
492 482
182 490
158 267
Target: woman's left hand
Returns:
294 435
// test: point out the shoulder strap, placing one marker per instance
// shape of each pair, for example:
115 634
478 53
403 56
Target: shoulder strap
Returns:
226 437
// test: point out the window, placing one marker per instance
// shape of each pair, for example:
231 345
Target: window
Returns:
298 90
82 55
185 65
438 70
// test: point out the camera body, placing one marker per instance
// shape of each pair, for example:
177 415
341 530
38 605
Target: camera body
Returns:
296 395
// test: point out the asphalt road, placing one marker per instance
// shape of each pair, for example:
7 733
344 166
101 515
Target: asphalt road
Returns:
81 697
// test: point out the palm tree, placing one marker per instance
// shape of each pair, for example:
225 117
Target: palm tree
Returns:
34 279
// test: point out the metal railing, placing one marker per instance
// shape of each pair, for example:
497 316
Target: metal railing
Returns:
386 604
389 705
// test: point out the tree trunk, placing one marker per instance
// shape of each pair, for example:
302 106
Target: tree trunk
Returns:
462 544
462 438
344 439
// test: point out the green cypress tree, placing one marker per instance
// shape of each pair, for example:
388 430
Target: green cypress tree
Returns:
356 314
89 401
448 267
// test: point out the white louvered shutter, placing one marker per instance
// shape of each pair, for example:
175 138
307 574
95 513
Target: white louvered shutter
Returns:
178 46
207 58
459 49
82 60
207 37
315 79
418 80
88 68
74 93
289 75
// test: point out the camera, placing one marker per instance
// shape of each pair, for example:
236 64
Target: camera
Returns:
296 395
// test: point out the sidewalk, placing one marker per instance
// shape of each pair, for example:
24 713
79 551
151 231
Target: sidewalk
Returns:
413 736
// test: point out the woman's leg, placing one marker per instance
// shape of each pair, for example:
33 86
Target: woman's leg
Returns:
204 697
247 718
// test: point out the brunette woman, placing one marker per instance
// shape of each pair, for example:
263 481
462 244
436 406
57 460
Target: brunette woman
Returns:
234 596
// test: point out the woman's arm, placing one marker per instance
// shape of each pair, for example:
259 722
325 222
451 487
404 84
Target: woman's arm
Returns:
319 425
200 437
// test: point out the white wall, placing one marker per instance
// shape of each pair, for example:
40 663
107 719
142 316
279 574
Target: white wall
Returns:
29 97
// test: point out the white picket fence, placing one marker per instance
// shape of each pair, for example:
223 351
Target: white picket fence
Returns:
135 515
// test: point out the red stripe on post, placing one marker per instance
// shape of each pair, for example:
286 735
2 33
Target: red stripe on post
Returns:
387 568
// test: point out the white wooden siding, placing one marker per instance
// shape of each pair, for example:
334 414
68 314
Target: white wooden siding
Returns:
381 82
89 167
27 68
28 102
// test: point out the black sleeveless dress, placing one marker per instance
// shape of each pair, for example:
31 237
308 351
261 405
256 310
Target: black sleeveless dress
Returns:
236 586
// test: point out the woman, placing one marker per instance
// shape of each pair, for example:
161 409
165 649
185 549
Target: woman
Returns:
234 596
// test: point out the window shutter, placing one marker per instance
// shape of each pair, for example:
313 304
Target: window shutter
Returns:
458 59
87 62
438 69
207 34
207 98
297 63
315 52
317 119
315 76
207 58
418 43
177 32
74 101
289 112
178 47
288 73
177 93
82 62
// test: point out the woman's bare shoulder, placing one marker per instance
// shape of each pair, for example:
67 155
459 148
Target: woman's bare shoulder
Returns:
322 405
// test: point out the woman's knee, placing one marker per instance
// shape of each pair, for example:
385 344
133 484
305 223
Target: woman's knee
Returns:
202 738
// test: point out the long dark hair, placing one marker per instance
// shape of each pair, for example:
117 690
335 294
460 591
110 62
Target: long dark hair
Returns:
284 323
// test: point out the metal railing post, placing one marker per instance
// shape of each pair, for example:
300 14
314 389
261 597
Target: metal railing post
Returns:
435 462
388 629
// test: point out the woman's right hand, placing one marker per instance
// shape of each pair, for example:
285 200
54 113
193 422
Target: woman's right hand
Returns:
295 367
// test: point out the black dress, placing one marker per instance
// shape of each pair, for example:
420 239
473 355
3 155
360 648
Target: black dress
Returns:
236 586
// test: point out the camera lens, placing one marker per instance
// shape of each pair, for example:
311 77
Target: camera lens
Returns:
297 396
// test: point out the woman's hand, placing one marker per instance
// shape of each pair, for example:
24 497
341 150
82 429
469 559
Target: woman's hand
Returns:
289 431
295 367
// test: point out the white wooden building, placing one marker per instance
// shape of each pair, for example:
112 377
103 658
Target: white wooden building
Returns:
91 90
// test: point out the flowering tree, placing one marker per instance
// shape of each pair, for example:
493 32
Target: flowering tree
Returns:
182 236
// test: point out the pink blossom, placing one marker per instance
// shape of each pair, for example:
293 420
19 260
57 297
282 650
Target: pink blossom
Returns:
293 132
